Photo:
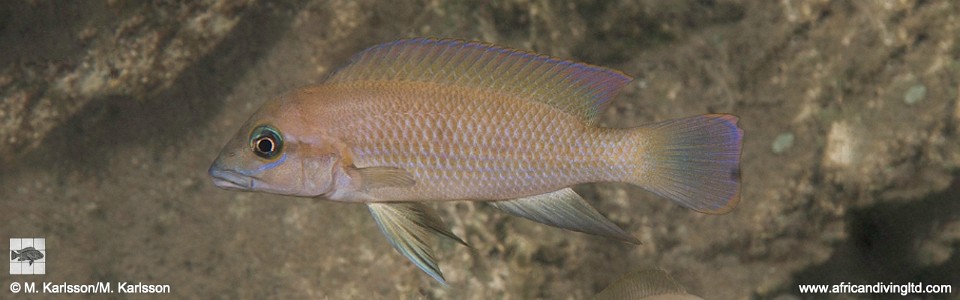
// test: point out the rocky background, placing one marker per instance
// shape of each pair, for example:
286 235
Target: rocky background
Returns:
111 112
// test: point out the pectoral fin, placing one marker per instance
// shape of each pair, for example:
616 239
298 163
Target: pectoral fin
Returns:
378 177
408 227
564 209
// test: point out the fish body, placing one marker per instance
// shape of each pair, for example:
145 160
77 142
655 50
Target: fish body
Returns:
462 144
437 120
29 253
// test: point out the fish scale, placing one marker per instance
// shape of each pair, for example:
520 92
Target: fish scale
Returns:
382 134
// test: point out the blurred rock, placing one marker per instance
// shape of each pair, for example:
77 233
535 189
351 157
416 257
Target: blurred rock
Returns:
782 143
68 54
915 94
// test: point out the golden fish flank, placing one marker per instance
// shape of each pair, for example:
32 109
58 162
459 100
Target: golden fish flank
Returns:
433 120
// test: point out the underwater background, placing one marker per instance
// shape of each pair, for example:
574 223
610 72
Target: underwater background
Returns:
112 111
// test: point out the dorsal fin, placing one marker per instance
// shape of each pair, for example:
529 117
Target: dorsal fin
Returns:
645 284
576 88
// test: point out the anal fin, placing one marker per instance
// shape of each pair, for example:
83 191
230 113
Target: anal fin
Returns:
564 209
408 226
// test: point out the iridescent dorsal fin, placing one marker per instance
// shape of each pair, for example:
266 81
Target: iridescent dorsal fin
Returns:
576 88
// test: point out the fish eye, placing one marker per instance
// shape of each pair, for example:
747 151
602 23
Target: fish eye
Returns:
266 141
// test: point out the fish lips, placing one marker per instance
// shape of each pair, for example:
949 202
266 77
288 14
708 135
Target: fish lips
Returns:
230 180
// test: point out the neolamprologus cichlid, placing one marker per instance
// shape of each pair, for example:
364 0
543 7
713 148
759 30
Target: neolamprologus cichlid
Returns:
435 120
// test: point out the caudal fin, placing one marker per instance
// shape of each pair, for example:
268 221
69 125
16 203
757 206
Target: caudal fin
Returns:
694 161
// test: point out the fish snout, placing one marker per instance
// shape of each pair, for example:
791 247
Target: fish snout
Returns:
227 179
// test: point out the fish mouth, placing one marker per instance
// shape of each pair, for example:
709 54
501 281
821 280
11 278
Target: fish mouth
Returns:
231 180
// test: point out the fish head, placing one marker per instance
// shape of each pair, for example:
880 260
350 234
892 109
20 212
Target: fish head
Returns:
274 152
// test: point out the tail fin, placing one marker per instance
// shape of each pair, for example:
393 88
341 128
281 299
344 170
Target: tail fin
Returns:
694 161
13 254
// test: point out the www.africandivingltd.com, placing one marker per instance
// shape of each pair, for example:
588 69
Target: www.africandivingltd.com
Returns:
876 288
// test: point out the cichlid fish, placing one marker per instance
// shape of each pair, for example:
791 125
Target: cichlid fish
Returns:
436 120
645 284
28 253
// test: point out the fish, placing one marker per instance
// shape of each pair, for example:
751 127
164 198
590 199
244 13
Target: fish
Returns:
29 253
652 284
423 120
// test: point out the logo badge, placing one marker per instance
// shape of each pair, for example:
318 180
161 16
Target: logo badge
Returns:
28 256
